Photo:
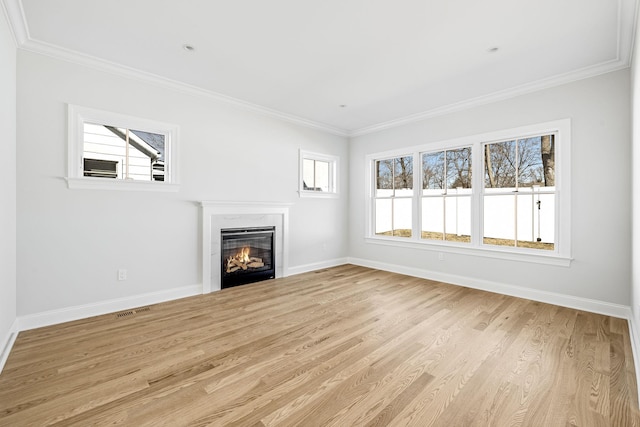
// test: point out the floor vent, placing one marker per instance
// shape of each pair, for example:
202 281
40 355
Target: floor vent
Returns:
132 312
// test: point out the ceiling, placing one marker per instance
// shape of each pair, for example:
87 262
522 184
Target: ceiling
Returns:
349 66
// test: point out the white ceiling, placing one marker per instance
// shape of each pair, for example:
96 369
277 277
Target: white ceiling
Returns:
386 61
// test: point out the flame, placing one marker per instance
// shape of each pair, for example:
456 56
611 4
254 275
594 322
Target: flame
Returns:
242 256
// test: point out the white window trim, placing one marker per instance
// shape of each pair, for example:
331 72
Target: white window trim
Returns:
78 115
561 256
334 164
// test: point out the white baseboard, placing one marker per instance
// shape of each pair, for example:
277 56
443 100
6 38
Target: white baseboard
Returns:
316 266
634 336
53 317
7 343
594 306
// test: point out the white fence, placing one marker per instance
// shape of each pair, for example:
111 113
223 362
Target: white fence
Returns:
526 216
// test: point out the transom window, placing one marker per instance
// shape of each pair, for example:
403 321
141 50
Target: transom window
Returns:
114 151
502 191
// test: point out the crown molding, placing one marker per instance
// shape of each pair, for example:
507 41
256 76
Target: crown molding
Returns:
626 30
20 30
17 22
626 33
132 73
501 95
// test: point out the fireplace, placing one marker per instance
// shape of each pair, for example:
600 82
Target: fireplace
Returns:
247 255
220 215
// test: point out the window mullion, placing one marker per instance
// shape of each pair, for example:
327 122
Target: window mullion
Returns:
315 179
417 190
444 196
477 195
126 155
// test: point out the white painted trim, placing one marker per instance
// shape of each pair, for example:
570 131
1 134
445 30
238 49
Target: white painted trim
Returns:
7 344
501 95
634 336
457 248
53 317
579 303
626 29
306 268
17 20
235 210
15 14
87 183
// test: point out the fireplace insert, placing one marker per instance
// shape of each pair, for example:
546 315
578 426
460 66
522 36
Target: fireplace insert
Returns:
247 255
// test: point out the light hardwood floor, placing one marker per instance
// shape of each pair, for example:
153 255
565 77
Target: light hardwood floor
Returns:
346 346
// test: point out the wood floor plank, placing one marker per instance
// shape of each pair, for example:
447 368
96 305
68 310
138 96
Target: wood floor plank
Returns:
344 346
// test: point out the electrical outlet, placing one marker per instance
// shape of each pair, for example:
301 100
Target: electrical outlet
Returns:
122 274
440 256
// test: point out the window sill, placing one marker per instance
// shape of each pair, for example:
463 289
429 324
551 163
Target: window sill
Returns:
505 254
112 184
318 194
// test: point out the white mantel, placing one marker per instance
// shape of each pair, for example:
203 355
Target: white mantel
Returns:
218 215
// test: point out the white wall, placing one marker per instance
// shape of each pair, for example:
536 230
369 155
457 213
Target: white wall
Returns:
231 154
599 110
7 183
635 167
225 154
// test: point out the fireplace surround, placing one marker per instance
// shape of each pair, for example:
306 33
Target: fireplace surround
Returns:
219 215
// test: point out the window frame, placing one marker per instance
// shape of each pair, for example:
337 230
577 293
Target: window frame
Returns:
560 256
79 115
333 162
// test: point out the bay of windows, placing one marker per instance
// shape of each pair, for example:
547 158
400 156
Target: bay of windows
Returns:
497 192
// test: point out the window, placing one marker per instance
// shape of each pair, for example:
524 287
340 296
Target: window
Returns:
394 196
502 194
446 195
318 175
519 193
114 151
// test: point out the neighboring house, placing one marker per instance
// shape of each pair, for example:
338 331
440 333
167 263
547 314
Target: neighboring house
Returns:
108 155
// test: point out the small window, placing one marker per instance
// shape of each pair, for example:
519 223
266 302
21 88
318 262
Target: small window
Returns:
318 175
114 151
